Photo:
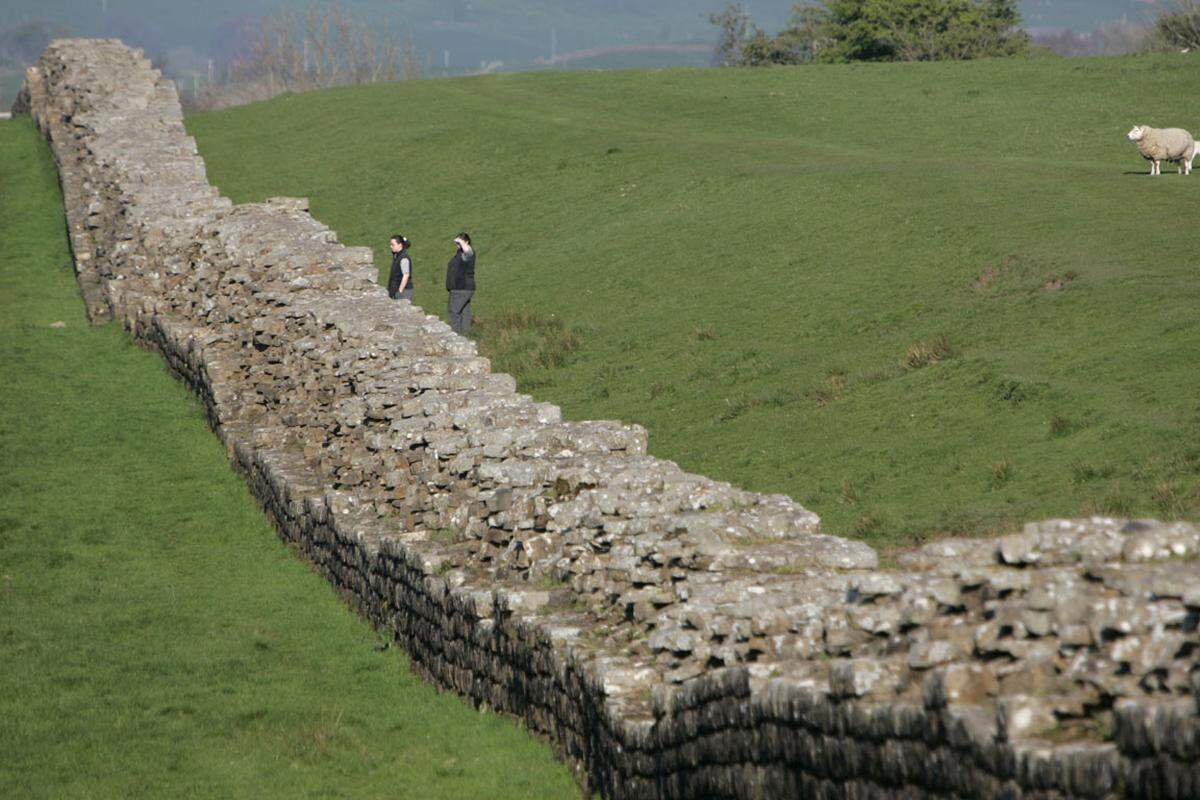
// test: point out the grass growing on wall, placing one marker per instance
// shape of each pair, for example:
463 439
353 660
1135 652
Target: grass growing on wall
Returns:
156 639
922 299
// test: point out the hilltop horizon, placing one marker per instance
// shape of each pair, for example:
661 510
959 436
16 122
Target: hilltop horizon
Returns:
466 35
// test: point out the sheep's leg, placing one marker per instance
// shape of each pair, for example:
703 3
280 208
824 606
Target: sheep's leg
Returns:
1155 167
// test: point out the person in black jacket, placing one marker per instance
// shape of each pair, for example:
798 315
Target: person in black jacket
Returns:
400 281
460 283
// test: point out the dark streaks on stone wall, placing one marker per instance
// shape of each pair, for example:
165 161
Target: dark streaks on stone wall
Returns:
672 635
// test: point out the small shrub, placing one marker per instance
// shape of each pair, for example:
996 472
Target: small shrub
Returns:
1082 472
1058 282
822 396
525 343
443 535
884 373
1061 426
923 354
961 522
703 334
1118 503
777 398
832 388
546 582
869 526
734 408
1179 28
1002 472
1015 391
1174 501
660 388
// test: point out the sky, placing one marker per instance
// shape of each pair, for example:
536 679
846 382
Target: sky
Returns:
461 35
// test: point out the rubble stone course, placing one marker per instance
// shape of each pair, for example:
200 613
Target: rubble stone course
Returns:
672 635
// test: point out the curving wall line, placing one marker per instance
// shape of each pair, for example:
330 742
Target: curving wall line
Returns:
673 636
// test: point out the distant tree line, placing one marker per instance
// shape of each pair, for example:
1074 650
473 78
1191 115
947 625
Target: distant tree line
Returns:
300 50
929 30
1116 38
874 30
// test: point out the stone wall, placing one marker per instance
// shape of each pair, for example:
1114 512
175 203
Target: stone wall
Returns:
672 635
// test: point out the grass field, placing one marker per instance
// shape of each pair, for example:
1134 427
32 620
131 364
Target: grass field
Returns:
156 639
920 298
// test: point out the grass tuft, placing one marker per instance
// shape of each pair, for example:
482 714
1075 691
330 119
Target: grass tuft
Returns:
1061 426
923 354
526 344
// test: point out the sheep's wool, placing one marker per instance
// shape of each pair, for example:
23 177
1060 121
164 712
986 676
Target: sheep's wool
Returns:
1165 144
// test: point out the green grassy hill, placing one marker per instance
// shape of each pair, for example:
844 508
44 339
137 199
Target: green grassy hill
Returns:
156 639
921 299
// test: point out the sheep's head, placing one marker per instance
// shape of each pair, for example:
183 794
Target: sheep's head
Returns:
1137 133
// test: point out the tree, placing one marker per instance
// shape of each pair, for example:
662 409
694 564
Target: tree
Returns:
734 28
920 30
296 50
319 48
798 43
1179 29
876 30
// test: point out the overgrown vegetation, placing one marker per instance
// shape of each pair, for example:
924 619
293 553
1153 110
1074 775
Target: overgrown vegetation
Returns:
1179 27
156 639
312 48
525 343
744 257
874 30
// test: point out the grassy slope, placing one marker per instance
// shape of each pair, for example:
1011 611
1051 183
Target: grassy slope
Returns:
748 255
156 640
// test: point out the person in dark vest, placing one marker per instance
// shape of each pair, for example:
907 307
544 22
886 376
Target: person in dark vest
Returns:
460 283
400 281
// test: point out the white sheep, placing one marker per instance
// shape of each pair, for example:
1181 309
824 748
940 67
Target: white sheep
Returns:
1164 144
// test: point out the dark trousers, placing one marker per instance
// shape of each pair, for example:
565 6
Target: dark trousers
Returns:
459 310
405 295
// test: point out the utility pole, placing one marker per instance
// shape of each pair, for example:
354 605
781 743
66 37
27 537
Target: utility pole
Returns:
553 43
